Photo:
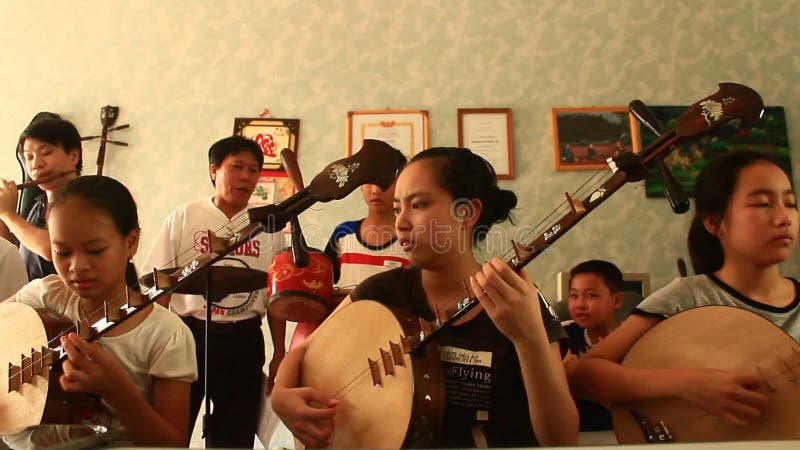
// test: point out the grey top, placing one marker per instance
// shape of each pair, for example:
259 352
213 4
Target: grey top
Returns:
705 290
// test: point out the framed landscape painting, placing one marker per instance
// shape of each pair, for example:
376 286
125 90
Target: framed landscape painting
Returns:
768 135
585 137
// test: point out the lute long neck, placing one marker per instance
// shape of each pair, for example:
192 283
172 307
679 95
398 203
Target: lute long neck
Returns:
270 218
731 101
376 163
524 253
335 181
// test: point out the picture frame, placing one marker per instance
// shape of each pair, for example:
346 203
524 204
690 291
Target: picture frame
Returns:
264 193
272 135
403 129
488 132
584 137
273 187
769 135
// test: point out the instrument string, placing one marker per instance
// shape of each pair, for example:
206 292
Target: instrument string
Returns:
234 226
589 186
359 378
559 212
56 340
351 385
236 223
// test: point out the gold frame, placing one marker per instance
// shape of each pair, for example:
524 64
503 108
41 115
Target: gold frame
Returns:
502 137
568 160
280 134
405 129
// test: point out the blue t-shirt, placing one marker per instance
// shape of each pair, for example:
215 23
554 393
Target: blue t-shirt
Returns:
36 265
593 417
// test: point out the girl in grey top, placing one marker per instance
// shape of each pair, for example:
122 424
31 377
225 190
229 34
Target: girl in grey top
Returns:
745 224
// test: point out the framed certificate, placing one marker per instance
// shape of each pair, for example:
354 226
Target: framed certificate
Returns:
489 133
273 135
405 130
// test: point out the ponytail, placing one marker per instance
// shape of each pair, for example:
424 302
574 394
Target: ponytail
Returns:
705 250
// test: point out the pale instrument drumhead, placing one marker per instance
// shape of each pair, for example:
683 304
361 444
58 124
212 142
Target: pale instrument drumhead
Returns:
368 416
725 338
21 330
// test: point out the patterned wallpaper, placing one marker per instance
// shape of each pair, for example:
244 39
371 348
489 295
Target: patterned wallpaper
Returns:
181 71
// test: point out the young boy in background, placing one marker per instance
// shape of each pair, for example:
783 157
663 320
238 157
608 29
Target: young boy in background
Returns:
361 248
595 293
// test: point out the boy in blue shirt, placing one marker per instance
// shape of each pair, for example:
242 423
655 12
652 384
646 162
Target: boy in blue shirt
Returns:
595 293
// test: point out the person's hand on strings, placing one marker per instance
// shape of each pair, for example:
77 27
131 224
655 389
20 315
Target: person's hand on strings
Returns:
89 368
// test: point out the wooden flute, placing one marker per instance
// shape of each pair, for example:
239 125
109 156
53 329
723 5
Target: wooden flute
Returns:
52 177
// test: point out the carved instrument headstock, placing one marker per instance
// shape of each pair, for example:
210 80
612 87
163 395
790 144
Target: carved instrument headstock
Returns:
108 115
375 163
731 101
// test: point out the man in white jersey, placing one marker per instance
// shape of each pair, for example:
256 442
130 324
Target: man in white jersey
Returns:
236 342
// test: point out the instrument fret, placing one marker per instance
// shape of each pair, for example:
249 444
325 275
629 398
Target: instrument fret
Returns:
14 377
27 369
375 371
388 363
36 358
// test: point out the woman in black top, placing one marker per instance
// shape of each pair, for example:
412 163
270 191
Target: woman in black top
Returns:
503 371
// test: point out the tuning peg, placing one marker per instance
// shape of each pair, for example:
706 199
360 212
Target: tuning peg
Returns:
672 189
118 127
645 116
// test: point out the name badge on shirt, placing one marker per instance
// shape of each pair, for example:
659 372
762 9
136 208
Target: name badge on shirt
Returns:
390 263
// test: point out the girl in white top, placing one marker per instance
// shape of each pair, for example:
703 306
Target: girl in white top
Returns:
142 369
746 223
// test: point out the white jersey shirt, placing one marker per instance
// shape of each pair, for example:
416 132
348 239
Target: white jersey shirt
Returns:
184 237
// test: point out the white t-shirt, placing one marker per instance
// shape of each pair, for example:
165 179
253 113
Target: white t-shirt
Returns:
12 270
161 346
183 238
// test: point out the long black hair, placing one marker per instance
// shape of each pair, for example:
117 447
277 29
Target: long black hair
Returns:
111 196
713 190
467 176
